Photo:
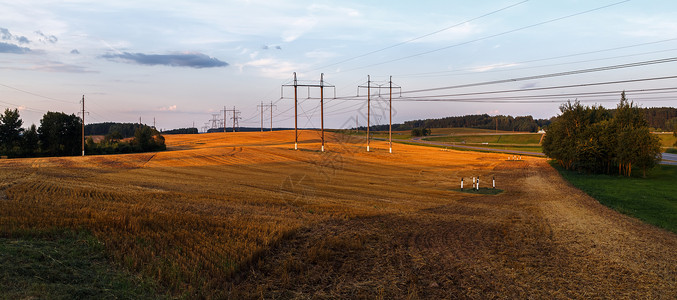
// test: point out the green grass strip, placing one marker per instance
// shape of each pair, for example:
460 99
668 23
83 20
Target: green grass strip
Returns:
63 265
652 199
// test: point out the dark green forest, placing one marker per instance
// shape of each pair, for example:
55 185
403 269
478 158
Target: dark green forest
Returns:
658 119
506 123
192 130
60 134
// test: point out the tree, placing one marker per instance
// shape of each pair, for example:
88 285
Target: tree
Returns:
10 132
646 149
588 139
60 134
420 132
30 142
113 137
674 133
148 139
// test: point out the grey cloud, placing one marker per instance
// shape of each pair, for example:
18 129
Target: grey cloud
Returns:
4 34
192 60
47 38
8 36
266 47
11 48
22 40
75 51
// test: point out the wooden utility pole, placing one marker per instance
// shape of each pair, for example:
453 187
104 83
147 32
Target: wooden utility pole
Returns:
271 115
234 119
83 125
390 127
368 109
296 135
322 85
379 87
261 116
322 107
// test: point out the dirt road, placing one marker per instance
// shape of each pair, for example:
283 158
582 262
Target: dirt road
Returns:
542 238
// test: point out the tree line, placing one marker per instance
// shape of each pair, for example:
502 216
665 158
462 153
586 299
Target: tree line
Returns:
191 130
592 139
484 121
60 134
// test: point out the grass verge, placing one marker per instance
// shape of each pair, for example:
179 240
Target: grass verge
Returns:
63 265
652 199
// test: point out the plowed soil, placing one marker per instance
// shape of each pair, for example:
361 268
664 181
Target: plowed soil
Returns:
245 216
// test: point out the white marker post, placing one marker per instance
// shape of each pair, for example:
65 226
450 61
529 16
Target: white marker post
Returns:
478 183
461 183
493 182
473 183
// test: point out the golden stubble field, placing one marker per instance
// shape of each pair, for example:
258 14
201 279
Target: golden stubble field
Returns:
243 215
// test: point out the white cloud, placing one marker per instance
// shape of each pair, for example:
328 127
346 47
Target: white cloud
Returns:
493 66
298 28
651 27
273 68
168 108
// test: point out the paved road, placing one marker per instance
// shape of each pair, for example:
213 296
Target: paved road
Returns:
668 158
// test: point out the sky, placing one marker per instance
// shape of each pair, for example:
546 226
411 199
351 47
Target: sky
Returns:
179 63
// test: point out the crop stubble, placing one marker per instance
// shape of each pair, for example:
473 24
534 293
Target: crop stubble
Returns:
243 215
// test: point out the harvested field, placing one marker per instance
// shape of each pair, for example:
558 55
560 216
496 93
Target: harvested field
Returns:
242 215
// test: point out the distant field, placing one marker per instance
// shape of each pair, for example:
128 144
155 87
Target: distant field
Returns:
463 130
510 139
667 139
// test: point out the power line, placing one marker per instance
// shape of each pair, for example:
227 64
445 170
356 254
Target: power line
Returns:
35 94
557 57
490 36
420 37
557 87
460 71
613 67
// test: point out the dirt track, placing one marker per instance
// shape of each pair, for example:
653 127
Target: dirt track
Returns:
541 239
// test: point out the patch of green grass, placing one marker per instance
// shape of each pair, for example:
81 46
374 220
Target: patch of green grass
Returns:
514 139
667 139
652 199
63 265
671 150
498 149
481 191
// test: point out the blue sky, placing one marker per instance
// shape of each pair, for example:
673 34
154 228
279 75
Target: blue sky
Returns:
180 62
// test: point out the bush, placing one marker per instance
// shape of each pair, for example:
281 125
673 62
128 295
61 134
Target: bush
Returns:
420 132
